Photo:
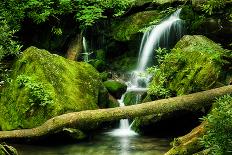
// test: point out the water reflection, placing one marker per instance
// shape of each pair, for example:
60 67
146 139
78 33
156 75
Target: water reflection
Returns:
103 144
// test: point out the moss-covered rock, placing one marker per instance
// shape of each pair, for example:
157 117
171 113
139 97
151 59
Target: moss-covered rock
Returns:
45 85
113 102
195 64
158 2
132 98
115 88
126 28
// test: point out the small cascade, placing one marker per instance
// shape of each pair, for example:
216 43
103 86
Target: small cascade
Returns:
162 35
85 50
124 129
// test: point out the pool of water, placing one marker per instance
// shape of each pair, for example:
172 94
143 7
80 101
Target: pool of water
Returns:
103 144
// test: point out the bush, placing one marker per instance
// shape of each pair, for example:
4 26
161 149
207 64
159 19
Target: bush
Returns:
38 95
218 135
7 45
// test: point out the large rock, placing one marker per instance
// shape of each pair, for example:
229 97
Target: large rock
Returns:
45 85
195 64
158 2
126 28
115 88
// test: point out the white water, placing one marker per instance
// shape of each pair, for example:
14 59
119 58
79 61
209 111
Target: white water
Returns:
85 50
151 40
124 127
159 34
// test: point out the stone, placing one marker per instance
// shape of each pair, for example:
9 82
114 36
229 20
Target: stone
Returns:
44 85
115 88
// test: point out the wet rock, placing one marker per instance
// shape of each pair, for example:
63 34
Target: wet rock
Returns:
115 88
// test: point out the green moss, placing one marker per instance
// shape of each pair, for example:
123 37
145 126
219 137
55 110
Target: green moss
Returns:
194 64
115 88
124 29
72 86
130 98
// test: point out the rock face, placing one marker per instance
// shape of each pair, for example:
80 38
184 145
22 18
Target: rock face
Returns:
195 64
115 88
125 29
45 85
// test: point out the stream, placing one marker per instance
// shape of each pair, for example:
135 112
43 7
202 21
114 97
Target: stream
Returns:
102 144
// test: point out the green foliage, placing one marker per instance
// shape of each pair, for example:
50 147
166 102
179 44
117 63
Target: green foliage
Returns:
158 90
195 64
212 5
86 12
7 45
218 135
38 94
161 53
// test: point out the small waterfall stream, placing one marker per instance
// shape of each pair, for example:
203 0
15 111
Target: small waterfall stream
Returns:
163 35
85 50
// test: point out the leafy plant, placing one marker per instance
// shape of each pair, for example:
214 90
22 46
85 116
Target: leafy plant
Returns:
86 13
218 135
7 45
211 5
161 53
157 88
38 94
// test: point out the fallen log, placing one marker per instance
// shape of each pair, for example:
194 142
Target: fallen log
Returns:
80 120
190 143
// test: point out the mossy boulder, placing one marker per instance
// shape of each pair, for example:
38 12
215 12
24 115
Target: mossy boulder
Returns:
115 88
157 2
44 85
132 98
195 64
126 28
113 102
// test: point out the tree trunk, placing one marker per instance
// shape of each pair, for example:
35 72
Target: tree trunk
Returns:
83 119
75 47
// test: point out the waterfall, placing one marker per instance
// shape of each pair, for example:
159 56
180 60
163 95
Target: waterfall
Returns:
124 129
162 35
85 50
167 33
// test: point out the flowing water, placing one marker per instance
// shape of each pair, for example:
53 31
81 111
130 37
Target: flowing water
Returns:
163 35
85 50
102 144
124 141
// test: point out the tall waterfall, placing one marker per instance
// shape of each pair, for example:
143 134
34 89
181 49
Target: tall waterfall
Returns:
162 35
